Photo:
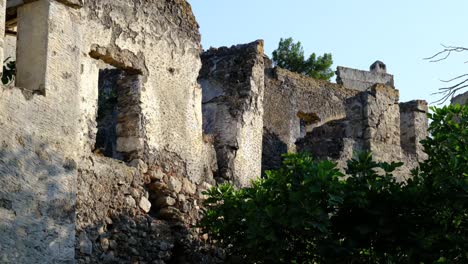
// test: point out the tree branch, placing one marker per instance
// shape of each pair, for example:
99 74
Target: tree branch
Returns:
450 91
444 54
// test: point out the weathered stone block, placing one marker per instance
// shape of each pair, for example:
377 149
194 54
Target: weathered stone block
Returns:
189 187
174 184
144 204
165 201
129 144
139 165
86 246
414 126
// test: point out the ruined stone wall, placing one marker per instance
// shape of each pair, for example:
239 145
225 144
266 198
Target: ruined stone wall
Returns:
414 125
370 123
461 99
333 122
138 214
232 80
157 205
294 105
381 115
362 80
65 198
39 138
164 49
49 128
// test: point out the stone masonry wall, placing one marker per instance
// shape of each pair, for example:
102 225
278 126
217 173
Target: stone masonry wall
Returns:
49 127
62 201
294 104
164 49
362 80
414 125
156 205
138 214
382 122
232 80
39 138
372 123
460 99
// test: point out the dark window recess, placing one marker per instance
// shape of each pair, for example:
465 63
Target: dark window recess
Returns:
119 118
107 116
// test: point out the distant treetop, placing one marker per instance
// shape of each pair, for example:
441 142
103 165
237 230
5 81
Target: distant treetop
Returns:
290 55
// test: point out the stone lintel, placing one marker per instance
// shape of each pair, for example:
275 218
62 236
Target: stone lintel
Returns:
122 59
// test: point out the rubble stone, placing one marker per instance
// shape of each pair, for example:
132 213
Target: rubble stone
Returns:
189 187
139 165
156 175
165 201
130 201
86 246
174 184
144 204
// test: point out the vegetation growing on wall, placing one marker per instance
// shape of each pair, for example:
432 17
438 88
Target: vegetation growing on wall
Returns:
309 212
9 71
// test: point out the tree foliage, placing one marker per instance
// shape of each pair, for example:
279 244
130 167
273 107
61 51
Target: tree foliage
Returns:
290 55
309 212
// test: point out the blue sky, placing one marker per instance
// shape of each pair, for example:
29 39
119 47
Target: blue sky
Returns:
398 32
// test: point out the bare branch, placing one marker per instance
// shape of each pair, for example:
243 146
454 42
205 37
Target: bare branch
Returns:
449 93
445 53
462 80
456 78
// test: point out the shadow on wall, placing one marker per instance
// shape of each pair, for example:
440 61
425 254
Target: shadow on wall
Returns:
329 141
142 239
41 223
37 200
124 217
272 150
325 141
336 139
106 136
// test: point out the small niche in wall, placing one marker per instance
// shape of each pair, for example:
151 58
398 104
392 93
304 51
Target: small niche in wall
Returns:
119 129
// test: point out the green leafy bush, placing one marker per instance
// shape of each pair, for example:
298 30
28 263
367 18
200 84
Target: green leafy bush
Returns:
309 212
442 182
282 218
